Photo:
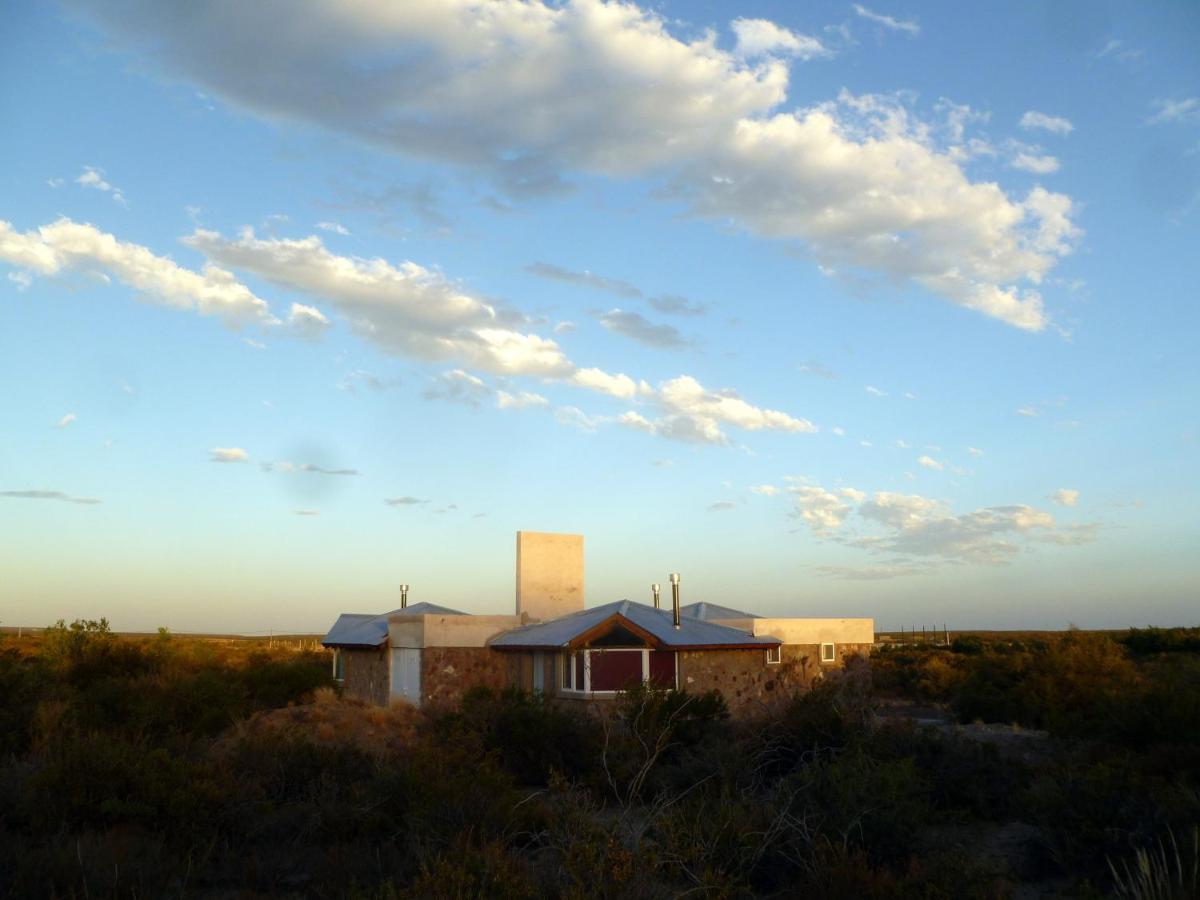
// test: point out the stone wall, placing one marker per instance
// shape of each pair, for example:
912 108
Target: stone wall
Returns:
449 672
749 683
366 675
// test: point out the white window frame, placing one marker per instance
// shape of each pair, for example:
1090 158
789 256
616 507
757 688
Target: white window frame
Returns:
566 663
774 655
831 655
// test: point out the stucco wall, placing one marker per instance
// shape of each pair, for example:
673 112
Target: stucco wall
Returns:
449 672
366 675
549 574
447 631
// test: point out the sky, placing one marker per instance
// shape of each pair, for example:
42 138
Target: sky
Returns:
879 310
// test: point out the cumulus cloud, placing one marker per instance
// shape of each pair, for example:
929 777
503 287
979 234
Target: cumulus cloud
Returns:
68 246
1065 497
574 417
50 495
23 280
888 22
1033 120
929 462
66 420
637 327
228 455
529 93
764 490
584 279
307 321
760 37
94 178
823 510
692 413
334 227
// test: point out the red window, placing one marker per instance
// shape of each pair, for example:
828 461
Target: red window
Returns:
615 670
662 669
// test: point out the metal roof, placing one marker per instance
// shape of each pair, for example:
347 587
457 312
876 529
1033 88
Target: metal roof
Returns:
692 633
371 629
709 611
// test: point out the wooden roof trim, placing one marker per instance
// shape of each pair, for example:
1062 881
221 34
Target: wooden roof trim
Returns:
600 629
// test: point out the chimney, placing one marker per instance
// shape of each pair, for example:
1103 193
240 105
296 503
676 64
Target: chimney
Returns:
656 590
404 596
549 574
675 596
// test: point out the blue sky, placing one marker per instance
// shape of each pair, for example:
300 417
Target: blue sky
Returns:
836 309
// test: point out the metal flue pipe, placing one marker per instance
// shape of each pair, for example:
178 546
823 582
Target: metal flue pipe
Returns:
404 596
656 591
675 597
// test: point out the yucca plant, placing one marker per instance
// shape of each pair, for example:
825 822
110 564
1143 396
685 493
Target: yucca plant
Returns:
1161 872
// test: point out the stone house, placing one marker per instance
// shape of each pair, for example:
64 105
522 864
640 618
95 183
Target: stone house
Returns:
430 655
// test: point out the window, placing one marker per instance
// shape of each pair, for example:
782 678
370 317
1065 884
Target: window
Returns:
774 655
609 670
828 653
339 666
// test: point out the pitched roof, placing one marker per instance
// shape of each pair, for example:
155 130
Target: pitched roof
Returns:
371 629
710 611
693 633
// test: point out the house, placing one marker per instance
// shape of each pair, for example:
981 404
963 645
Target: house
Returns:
429 655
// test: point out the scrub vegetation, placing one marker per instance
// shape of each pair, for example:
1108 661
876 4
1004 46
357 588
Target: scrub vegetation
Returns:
169 767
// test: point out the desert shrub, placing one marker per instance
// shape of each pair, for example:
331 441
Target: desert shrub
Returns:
23 681
1147 641
469 870
93 780
531 735
967 644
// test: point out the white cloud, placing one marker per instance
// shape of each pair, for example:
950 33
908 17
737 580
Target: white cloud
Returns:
1065 497
404 501
65 246
692 413
975 451
520 400
94 178
1032 120
1169 111
888 22
721 506
251 342
405 309
852 494
585 278
23 280
903 444
760 37
874 391
619 385
306 512
304 468
65 420
228 455
528 93
930 463
335 227
838 430
307 321
764 490
55 183
564 327
1030 161
1027 411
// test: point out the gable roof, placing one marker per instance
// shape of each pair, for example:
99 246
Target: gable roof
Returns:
371 629
656 623
709 611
